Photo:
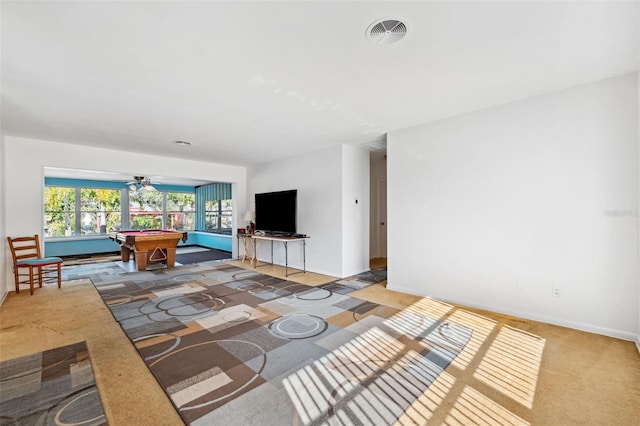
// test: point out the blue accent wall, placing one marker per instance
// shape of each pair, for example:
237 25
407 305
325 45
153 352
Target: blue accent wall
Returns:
77 246
74 246
50 181
207 239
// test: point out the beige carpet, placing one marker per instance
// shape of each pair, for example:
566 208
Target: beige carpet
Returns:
512 372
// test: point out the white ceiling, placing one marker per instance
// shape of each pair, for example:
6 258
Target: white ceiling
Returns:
247 82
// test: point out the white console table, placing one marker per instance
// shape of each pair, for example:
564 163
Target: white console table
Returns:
285 241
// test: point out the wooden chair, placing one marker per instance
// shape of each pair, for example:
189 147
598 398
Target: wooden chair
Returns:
26 255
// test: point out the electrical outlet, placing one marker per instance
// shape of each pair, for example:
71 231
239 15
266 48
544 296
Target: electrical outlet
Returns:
555 291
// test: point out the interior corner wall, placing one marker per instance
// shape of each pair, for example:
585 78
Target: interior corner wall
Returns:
328 182
4 252
520 199
318 180
27 158
355 210
638 141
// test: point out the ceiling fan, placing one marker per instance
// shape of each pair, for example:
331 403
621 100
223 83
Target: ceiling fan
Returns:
140 184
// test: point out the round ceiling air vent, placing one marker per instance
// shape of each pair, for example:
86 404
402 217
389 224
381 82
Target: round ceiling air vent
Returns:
386 31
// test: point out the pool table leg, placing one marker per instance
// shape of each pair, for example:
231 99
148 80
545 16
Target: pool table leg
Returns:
125 253
141 260
171 257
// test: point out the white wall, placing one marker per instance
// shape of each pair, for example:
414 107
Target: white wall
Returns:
521 198
319 177
25 160
355 210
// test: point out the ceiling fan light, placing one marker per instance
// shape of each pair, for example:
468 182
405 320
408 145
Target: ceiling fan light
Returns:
141 184
147 188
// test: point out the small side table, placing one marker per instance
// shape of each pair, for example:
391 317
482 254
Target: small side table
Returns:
248 252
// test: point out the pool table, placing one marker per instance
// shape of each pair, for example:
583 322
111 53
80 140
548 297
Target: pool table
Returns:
149 246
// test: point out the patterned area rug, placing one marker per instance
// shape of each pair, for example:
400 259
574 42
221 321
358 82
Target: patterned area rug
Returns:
202 256
54 387
231 345
95 258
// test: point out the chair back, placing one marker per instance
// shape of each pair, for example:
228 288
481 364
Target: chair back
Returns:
24 248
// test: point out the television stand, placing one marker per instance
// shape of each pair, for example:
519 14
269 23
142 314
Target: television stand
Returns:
285 240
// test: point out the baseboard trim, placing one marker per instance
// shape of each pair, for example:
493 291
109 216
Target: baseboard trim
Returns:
3 297
618 334
638 343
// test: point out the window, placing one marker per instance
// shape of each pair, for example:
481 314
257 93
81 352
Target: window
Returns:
59 212
181 211
100 210
72 208
226 214
97 212
146 210
214 207
212 215
218 216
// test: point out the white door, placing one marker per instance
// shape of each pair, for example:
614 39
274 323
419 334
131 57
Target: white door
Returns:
382 218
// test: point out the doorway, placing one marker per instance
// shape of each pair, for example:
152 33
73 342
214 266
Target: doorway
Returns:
378 213
381 223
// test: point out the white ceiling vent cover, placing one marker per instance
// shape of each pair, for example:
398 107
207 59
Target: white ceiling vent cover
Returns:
386 31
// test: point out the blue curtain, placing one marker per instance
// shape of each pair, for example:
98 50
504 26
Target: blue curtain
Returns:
211 192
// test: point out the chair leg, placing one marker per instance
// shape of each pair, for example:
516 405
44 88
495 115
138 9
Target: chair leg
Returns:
40 277
59 276
17 278
31 280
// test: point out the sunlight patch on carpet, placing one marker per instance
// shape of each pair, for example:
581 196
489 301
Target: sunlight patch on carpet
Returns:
512 363
221 339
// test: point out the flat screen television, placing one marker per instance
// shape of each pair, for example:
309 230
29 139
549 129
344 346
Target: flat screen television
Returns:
276 212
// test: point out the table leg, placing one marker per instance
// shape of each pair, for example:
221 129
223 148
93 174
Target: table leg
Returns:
125 253
255 257
141 260
171 257
286 260
247 247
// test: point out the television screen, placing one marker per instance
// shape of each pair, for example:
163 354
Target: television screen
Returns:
276 212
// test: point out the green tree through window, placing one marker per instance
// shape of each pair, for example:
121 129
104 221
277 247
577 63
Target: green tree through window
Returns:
181 211
219 215
59 212
74 211
146 210
97 212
